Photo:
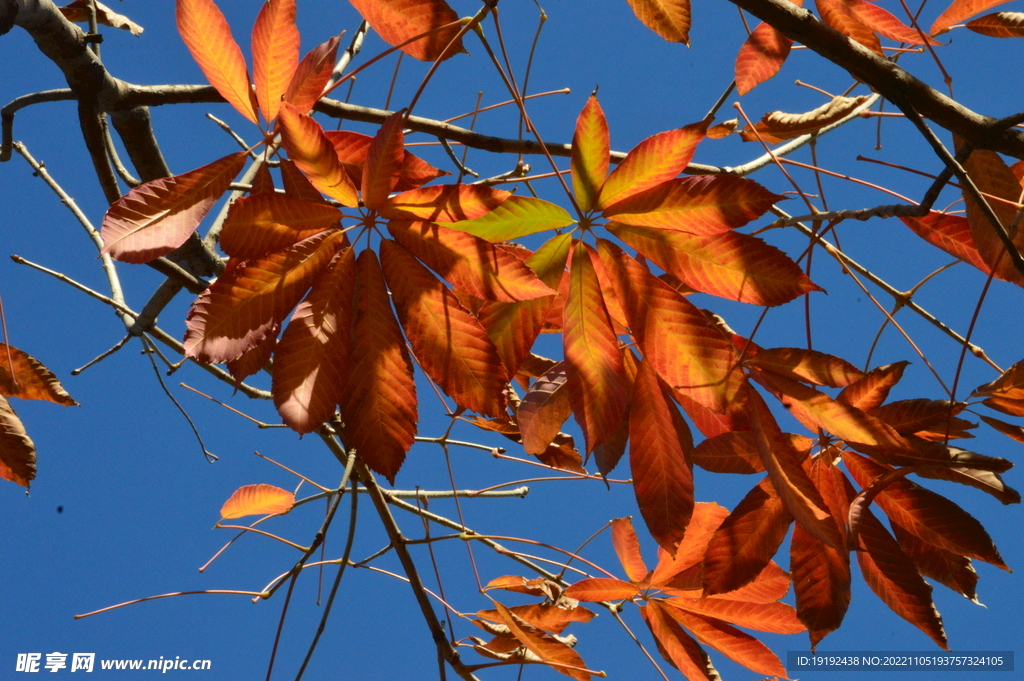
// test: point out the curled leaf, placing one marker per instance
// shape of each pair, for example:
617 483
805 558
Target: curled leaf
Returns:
257 500
778 126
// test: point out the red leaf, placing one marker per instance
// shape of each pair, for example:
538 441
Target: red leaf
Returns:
590 154
312 359
449 344
208 37
243 305
731 265
873 389
155 218
837 14
810 366
543 410
627 548
383 161
444 203
992 177
776 618
597 381
275 54
255 358
945 567
379 400
884 23
26 378
553 652
951 233
264 223
311 76
314 155
399 20
352 148
17 451
924 416
675 644
655 160
660 443
728 640
670 19
732 452
760 57
706 519
999 25
960 10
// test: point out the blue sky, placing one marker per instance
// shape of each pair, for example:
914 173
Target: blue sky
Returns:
139 499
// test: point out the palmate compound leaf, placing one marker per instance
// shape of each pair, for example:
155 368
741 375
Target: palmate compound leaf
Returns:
597 379
17 451
670 19
999 25
553 652
399 20
264 223
676 646
449 343
243 305
730 265
960 10
543 410
208 37
314 155
275 54
660 445
25 377
155 218
312 359
591 144
379 401
257 500
311 76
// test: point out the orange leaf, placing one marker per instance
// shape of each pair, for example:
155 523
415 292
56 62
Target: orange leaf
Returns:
951 233
553 652
17 451
379 400
745 543
1009 385
870 391
314 155
597 381
547 616
885 24
945 567
728 640
275 54
208 37
731 265
687 351
810 366
543 410
776 618
449 344
660 443
913 416
732 452
444 203
296 185
838 15
25 377
263 223
533 587
1007 429
706 519
986 481
399 20
658 158
992 176
243 305
1005 405
999 25
627 548
257 500
383 161
352 148
675 644
591 145
600 589
311 362
960 10
155 218
255 358
760 57
706 205
670 19
311 76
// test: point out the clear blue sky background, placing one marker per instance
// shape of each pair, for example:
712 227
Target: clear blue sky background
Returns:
139 499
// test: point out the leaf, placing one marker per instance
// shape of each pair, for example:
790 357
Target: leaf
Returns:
445 203
731 452
656 159
379 401
553 652
533 587
627 548
670 19
777 126
811 366
913 416
597 381
296 185
951 233
311 76
675 644
706 204
731 265
761 56
728 640
873 389
399 20
591 145
1009 385
839 15
885 24
986 481
992 176
960 10
257 500
999 24
449 344
155 218
1007 429
945 567
255 358
275 54
746 541
543 410
706 519
515 217
469 263
208 37
660 443
550 617
687 351
383 161
243 305
930 516
1005 405
312 360
78 11
26 378
17 451
263 223
776 618
600 589
314 155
